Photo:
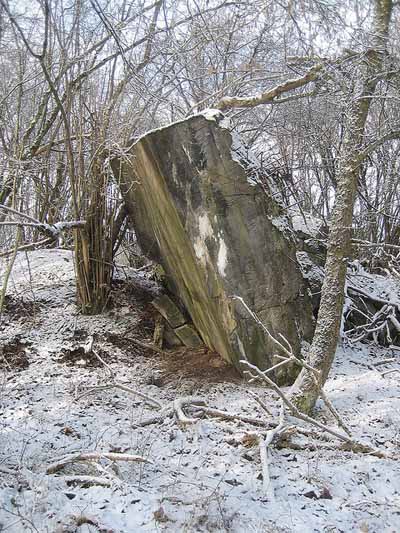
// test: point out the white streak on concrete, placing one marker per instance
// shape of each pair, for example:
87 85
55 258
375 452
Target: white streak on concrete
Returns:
222 257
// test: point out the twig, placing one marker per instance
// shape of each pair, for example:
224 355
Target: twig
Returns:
324 397
146 346
178 405
118 385
385 361
335 412
290 358
289 352
260 402
265 453
26 247
88 348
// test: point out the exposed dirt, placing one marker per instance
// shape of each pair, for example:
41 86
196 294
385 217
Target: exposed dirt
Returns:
14 355
79 356
203 365
19 306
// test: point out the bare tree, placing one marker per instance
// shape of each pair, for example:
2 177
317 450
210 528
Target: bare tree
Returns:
322 115
369 68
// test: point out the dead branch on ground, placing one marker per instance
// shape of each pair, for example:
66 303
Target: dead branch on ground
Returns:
256 374
94 456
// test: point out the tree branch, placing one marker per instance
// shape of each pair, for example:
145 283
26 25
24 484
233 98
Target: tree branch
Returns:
269 97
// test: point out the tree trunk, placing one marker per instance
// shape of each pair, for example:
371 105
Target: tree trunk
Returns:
306 389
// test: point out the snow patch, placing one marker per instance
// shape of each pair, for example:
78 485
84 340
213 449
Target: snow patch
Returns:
202 477
212 114
306 223
282 223
314 273
246 159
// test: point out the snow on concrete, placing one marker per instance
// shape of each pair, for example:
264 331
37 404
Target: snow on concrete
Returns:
306 223
203 477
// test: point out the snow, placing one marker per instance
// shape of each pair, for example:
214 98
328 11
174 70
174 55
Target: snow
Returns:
203 477
213 115
281 222
306 223
310 271
245 158
378 286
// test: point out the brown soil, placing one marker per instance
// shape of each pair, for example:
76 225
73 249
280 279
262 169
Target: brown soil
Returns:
13 356
202 364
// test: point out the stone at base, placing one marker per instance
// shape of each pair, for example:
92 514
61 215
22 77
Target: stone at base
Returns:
166 307
188 336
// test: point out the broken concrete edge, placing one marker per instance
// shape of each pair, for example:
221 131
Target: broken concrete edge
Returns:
189 336
146 161
211 114
240 155
169 311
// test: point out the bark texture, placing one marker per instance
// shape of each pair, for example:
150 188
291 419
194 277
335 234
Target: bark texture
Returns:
198 209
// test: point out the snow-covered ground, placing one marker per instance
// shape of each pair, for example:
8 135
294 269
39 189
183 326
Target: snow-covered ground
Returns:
199 477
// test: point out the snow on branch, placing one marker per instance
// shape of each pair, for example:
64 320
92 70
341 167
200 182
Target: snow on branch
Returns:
53 231
94 456
271 96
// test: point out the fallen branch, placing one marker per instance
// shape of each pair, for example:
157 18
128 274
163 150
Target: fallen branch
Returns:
176 409
232 416
265 453
178 405
386 372
166 412
94 456
354 445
